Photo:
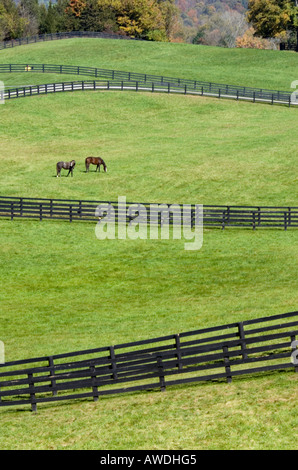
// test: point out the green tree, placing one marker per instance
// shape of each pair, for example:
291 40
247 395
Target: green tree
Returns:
48 19
93 19
11 24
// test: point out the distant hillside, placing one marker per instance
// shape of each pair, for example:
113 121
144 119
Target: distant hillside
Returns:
205 6
213 22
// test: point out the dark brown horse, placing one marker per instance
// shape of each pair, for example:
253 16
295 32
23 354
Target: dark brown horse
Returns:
67 166
95 161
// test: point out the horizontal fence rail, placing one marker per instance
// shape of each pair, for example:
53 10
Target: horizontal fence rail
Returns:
221 352
120 80
213 216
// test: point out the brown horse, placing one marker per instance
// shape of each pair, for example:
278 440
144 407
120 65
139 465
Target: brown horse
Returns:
95 161
67 166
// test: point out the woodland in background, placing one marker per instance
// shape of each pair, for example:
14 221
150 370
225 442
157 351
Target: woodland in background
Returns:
259 24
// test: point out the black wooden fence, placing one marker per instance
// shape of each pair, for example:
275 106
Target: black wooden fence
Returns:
63 35
220 352
213 215
121 80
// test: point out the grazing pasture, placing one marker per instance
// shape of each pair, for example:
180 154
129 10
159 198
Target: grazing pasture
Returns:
62 289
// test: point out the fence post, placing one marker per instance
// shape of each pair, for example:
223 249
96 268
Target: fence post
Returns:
285 220
289 216
253 220
113 362
11 211
40 211
161 374
70 213
94 386
227 364
242 338
31 391
52 372
177 340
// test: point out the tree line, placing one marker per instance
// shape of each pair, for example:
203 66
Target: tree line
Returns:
147 19
227 23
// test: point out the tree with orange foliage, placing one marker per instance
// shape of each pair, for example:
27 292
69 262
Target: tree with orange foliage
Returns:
250 41
76 7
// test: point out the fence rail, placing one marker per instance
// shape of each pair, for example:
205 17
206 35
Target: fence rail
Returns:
120 80
220 352
213 216
63 35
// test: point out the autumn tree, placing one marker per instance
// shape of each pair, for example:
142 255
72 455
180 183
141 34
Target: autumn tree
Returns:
274 18
148 19
250 41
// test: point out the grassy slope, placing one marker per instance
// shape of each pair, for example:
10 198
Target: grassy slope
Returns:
267 69
158 148
250 147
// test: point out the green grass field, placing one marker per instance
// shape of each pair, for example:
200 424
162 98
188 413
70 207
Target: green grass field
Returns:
250 67
62 289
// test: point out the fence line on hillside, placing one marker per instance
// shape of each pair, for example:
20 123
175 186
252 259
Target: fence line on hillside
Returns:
121 80
219 216
221 352
63 35
88 34
31 90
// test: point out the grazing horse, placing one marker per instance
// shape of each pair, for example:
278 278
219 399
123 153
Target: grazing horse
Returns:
95 161
67 166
